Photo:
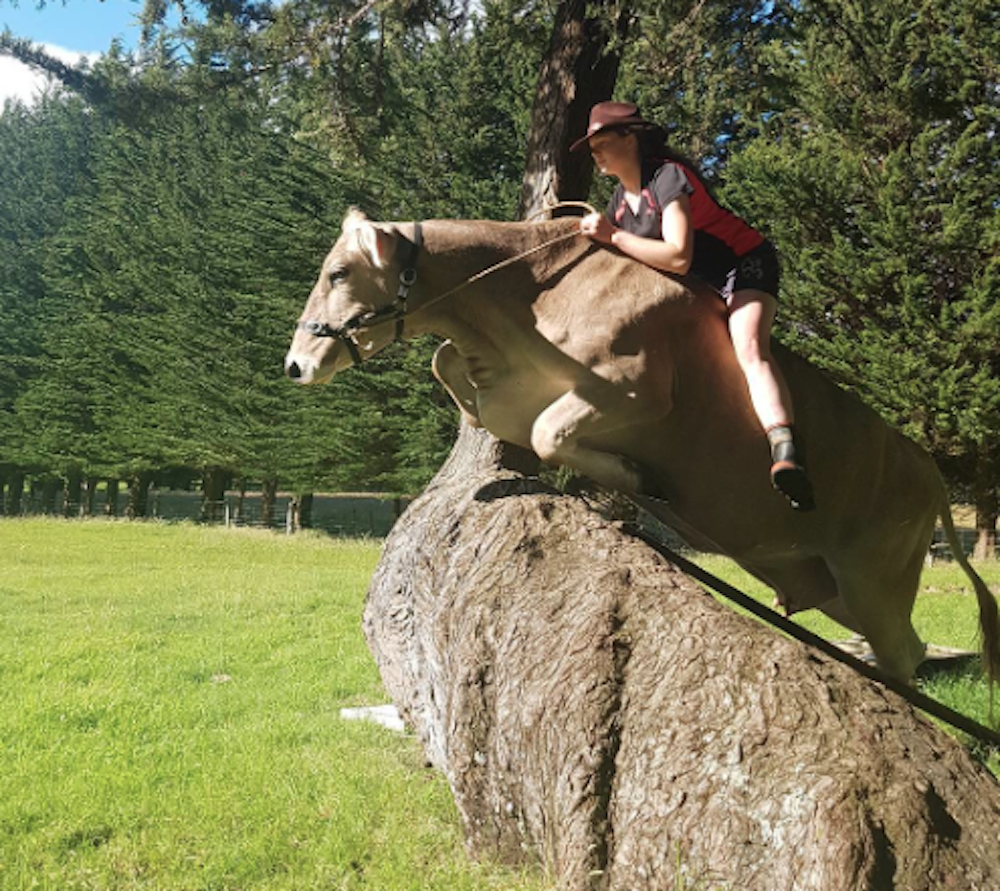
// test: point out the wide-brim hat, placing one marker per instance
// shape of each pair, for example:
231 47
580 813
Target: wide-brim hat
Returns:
610 116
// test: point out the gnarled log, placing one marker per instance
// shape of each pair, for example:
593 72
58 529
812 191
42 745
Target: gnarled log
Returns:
594 709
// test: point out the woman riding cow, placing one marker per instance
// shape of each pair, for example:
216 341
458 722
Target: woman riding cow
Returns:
662 214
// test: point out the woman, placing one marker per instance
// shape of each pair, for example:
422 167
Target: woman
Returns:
662 215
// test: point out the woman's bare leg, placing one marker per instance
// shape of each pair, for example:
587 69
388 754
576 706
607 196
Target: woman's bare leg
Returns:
751 315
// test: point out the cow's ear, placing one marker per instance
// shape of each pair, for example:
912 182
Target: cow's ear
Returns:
355 218
376 243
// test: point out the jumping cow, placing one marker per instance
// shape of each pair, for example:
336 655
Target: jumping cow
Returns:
628 375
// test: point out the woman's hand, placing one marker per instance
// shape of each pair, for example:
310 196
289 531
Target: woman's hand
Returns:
598 227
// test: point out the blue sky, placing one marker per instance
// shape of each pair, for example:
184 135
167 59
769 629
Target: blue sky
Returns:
70 30
85 26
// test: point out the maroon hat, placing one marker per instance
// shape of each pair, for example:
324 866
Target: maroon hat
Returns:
610 116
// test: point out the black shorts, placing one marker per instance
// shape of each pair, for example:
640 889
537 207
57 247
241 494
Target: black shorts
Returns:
757 271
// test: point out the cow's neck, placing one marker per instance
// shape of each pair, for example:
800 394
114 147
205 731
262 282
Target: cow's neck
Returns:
453 288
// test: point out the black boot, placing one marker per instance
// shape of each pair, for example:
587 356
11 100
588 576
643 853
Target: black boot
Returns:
788 476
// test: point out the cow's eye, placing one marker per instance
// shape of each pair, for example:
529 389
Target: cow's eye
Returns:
337 275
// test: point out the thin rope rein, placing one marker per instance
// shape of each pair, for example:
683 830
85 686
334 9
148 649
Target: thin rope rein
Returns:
496 267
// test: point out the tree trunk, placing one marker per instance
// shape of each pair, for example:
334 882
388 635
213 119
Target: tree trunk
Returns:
213 495
111 498
268 497
596 711
72 506
15 493
241 499
89 496
579 70
985 496
304 511
138 495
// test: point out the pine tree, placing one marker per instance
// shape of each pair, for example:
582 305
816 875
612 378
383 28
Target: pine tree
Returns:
880 188
45 153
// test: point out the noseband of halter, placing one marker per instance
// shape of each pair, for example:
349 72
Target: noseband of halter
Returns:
392 312
396 311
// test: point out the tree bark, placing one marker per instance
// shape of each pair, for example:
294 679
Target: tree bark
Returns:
596 711
579 70
268 499
985 496
72 500
304 512
89 496
213 495
15 494
111 498
138 495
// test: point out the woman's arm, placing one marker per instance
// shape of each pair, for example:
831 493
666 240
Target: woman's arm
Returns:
671 254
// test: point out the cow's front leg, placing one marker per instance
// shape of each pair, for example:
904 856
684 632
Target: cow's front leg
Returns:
558 436
449 368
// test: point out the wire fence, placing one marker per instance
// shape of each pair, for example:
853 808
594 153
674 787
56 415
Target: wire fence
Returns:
339 514
356 514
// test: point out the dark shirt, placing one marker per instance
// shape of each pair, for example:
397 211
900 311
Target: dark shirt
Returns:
720 237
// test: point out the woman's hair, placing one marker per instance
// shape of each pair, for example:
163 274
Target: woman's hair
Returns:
653 147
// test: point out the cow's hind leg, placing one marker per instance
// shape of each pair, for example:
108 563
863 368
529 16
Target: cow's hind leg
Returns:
881 606
559 436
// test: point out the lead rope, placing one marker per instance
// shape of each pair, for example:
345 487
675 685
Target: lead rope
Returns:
496 267
912 695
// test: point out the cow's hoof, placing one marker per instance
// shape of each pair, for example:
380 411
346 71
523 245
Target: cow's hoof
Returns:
791 481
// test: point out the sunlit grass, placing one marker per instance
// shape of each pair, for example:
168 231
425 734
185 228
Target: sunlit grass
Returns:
170 703
169 718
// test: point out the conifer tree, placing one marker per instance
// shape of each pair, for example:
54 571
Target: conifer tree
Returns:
44 169
879 185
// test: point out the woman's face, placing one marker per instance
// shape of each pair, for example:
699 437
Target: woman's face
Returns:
614 152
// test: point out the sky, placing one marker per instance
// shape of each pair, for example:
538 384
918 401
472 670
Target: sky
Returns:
68 30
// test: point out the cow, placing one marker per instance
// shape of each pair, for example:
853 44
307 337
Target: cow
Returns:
628 375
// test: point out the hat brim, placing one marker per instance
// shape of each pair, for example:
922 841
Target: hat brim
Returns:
607 128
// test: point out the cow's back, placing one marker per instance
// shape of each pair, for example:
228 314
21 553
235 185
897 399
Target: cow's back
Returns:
713 460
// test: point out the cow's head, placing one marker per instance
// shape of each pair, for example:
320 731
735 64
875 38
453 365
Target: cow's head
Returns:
358 279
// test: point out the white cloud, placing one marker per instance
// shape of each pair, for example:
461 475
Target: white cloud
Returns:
19 81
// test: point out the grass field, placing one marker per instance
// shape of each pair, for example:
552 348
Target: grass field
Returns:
169 715
169 719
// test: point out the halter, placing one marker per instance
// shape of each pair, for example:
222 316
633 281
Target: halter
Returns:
396 311
392 312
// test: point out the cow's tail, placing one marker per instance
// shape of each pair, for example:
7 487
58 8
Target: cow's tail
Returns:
989 615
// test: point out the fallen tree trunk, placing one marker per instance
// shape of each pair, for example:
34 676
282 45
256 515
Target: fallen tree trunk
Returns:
595 710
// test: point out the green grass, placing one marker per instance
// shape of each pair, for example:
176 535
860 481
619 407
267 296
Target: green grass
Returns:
169 715
169 719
